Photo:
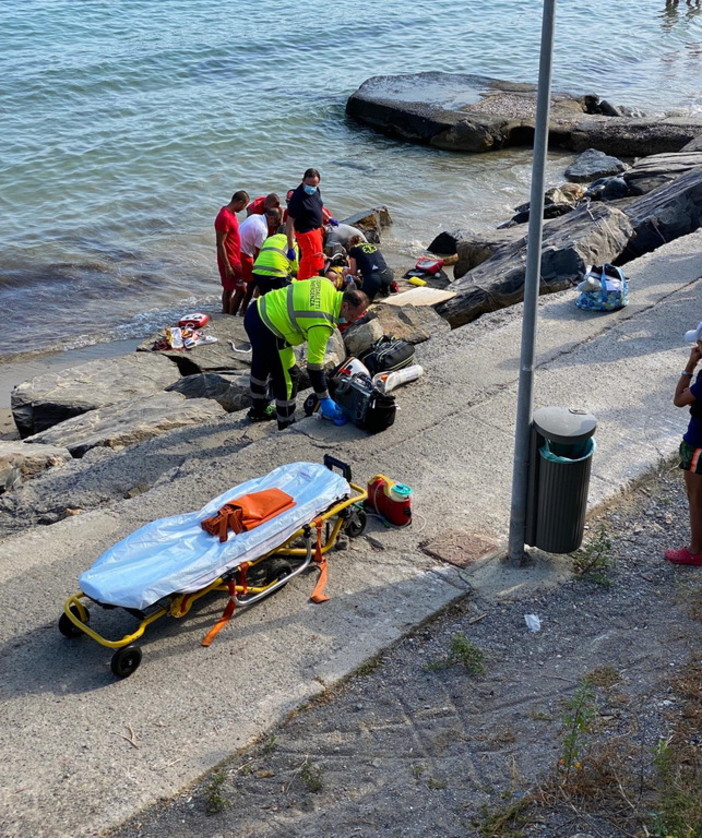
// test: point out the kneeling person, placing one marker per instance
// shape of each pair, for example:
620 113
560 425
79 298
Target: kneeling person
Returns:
303 312
367 260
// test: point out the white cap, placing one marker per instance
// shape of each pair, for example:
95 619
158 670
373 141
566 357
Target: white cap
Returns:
694 334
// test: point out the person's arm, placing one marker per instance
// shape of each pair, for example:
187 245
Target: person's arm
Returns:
222 250
290 231
353 267
683 394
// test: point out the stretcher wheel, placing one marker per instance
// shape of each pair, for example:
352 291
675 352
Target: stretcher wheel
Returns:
125 661
69 629
277 570
356 523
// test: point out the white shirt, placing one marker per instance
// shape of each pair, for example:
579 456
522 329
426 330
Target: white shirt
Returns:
252 233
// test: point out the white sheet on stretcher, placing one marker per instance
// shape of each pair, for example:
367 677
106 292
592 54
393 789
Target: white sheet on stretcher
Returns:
175 555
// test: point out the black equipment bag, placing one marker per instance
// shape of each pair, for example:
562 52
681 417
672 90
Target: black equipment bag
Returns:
387 354
363 403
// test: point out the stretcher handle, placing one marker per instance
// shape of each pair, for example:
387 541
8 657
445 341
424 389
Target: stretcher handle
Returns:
331 463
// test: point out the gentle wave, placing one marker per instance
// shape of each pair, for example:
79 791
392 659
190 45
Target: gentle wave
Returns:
125 127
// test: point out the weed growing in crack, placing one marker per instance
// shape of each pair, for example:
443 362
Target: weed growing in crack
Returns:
311 776
579 711
215 801
594 561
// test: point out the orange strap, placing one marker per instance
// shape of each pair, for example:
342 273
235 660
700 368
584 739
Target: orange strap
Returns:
225 618
320 560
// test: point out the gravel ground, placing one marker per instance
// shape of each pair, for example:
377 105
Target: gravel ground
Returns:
417 744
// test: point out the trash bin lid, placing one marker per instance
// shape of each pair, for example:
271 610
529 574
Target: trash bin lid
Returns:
564 424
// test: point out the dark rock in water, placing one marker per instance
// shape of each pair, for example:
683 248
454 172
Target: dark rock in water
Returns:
231 391
607 189
665 214
445 244
593 164
588 235
463 112
54 397
651 173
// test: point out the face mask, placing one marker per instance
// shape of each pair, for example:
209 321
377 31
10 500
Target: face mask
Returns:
341 320
310 190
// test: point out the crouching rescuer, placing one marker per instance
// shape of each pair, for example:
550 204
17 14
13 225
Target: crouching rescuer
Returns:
308 312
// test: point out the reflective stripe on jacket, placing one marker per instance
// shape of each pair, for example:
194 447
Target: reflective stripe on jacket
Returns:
304 311
272 258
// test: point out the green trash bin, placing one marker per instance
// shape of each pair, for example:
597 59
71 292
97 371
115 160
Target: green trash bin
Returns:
559 478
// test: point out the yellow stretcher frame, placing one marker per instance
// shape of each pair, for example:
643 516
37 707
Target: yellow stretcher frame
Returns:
73 622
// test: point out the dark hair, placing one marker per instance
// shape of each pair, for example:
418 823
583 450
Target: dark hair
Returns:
272 200
356 298
241 195
311 173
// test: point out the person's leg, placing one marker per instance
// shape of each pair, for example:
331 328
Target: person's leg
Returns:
311 246
691 464
285 375
237 297
247 276
693 484
263 354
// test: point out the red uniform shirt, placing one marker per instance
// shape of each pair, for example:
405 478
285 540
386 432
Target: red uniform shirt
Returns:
256 206
227 222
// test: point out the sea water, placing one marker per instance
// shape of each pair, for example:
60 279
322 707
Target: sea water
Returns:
126 125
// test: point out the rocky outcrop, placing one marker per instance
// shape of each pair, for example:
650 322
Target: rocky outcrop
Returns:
48 399
231 391
126 423
594 234
471 113
650 173
663 215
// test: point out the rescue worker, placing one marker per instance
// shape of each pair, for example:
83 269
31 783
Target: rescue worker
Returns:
286 317
304 224
273 268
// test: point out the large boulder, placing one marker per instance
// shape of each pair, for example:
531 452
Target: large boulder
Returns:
370 222
455 111
128 422
54 397
592 164
588 235
652 172
415 324
230 391
463 112
473 250
665 214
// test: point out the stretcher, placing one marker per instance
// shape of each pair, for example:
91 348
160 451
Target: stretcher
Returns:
164 567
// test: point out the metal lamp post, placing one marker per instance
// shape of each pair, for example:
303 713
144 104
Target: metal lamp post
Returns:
531 291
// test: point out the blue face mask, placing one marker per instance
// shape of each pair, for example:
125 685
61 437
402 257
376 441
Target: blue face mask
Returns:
310 190
341 320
